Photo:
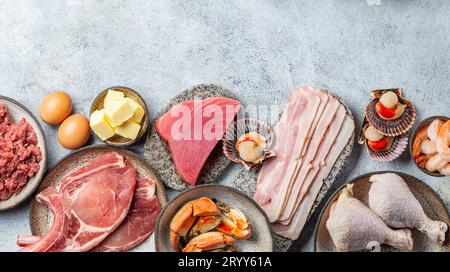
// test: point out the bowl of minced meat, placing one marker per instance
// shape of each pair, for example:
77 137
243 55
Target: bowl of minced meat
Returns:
22 153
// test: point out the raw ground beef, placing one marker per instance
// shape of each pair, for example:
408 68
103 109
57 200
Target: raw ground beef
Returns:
19 154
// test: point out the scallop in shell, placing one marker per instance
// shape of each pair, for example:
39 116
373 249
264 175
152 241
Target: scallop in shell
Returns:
397 146
395 127
247 126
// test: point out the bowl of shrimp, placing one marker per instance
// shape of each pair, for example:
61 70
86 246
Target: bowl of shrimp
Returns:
429 146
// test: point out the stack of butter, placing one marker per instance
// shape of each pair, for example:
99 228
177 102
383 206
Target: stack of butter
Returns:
121 115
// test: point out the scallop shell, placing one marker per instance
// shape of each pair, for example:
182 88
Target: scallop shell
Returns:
241 127
398 146
391 127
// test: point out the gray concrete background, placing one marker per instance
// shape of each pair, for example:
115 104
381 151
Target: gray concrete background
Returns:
258 49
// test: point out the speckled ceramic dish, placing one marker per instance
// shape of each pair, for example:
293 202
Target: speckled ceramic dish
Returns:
261 239
245 181
425 122
157 151
118 140
431 203
18 111
41 217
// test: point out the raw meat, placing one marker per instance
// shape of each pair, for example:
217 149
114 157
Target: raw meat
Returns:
192 130
293 229
353 226
391 199
137 226
306 165
139 223
291 134
312 136
19 154
88 205
319 160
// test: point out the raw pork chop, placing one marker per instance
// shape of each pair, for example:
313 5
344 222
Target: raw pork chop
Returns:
88 205
192 130
139 223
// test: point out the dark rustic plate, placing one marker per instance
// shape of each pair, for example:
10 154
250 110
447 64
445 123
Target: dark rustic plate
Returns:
261 239
425 122
19 111
431 203
41 217
157 151
118 140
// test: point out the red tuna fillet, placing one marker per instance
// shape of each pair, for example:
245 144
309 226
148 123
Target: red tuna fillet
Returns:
192 130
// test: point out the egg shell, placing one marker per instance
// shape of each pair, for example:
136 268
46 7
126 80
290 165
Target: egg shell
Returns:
55 108
74 132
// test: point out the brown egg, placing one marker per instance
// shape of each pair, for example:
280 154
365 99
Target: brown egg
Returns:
74 132
55 108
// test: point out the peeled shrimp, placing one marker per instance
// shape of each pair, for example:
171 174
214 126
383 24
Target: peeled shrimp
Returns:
421 136
428 147
422 160
433 130
436 162
442 141
445 170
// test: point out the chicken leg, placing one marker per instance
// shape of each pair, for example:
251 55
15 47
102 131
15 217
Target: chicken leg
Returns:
391 199
353 227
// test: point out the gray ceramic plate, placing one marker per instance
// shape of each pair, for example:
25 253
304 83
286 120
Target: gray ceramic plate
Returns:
18 111
261 239
157 151
118 140
425 122
432 204
245 181
41 217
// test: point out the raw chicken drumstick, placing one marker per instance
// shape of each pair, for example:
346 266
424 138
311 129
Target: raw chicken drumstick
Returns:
391 199
353 227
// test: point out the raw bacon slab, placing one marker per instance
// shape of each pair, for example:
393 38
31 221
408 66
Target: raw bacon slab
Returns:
293 128
139 223
192 129
293 230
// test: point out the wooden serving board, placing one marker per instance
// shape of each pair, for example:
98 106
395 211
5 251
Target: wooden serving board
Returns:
41 217
245 181
157 152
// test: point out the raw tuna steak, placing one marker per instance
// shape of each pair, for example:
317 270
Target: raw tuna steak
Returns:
192 130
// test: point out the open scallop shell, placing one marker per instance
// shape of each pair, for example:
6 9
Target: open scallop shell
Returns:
241 127
391 127
397 148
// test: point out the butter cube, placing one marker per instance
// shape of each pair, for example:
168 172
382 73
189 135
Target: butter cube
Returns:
138 111
111 97
119 112
129 130
100 125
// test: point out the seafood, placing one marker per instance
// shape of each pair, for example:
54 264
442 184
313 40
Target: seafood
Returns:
234 222
430 149
380 147
208 241
187 216
248 142
442 141
390 113
208 225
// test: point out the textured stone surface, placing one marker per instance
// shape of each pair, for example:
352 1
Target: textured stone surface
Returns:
259 50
